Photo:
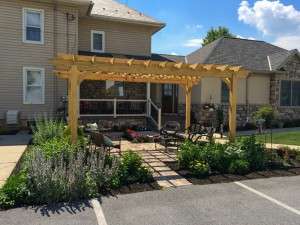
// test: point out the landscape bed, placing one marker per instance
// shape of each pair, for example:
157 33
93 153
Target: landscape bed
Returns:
247 158
54 170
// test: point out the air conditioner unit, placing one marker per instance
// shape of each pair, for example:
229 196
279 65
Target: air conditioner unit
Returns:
12 117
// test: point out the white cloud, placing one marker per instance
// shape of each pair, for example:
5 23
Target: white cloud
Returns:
271 17
288 42
194 43
174 53
242 37
193 26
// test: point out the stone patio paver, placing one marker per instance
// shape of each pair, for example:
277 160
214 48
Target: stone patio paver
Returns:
155 159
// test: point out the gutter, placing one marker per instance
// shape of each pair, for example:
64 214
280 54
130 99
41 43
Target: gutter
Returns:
138 22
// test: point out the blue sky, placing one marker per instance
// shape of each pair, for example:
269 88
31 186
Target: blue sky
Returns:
187 21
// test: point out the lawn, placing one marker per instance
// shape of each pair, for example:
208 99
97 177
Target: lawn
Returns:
288 138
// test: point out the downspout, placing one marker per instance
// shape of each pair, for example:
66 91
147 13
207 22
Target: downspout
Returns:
55 80
247 99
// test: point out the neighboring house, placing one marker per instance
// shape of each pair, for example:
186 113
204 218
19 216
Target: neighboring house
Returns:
274 78
33 32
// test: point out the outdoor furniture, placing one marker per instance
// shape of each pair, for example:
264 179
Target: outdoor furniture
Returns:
195 133
167 138
100 140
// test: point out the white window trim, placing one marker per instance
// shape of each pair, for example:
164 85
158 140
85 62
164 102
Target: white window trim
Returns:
41 11
92 41
42 70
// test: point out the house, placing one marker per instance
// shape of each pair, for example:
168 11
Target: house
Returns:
34 32
274 78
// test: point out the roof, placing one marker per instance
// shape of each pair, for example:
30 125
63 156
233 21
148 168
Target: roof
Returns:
154 57
114 10
250 54
277 60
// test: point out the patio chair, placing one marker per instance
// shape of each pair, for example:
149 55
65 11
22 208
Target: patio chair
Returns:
167 138
100 140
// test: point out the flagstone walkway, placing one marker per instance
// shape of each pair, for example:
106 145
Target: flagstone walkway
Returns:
156 160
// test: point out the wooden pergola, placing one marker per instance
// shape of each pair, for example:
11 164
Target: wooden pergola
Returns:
77 68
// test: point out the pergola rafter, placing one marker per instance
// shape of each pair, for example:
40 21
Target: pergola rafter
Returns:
78 68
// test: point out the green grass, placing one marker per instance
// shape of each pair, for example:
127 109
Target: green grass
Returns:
285 138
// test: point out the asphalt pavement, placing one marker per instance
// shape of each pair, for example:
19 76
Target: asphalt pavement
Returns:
272 201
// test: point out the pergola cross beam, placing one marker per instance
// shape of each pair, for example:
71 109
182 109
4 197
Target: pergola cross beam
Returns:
78 68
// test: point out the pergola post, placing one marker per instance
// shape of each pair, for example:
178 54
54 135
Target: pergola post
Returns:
232 107
73 102
188 100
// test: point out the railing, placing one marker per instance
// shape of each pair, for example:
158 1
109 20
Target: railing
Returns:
120 107
154 113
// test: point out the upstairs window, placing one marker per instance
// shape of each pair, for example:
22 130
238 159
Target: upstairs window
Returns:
33 26
224 93
97 41
290 93
33 85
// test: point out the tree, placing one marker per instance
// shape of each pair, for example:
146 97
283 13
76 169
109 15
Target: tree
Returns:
215 33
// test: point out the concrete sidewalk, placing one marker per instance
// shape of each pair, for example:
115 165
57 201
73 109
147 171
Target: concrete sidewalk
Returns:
12 148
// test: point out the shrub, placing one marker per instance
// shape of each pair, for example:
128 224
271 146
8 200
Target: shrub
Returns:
200 169
14 191
47 129
267 113
188 152
255 152
131 169
239 166
54 147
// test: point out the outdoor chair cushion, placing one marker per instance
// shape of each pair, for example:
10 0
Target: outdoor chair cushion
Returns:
107 141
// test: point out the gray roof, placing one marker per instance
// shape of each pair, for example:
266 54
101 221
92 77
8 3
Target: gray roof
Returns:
277 60
250 54
154 56
114 10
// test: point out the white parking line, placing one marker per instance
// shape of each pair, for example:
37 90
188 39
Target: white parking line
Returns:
279 203
98 211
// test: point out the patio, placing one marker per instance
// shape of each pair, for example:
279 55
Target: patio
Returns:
155 158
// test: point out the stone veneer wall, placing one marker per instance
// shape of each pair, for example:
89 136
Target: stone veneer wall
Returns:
203 115
97 90
291 72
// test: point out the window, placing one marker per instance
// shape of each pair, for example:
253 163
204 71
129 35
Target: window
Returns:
116 87
33 85
290 93
97 41
224 93
33 26
168 89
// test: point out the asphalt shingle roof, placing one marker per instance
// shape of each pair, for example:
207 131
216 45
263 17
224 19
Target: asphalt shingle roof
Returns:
154 56
250 54
114 9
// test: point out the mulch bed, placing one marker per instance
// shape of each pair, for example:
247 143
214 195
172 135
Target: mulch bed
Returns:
135 188
215 178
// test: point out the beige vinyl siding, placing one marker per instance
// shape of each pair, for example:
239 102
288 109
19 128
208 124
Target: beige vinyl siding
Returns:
120 38
209 91
14 55
259 89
